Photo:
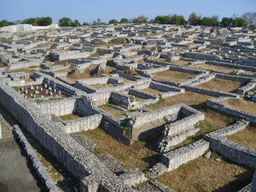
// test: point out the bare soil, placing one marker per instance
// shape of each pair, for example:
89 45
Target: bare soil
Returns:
241 104
207 175
222 85
170 75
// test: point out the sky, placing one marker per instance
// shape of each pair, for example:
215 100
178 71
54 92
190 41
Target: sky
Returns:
90 10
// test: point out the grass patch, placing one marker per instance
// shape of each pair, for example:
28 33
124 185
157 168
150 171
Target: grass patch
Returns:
140 154
222 85
112 110
241 104
170 75
245 137
207 175
38 101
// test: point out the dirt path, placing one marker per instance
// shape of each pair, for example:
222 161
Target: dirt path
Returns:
15 172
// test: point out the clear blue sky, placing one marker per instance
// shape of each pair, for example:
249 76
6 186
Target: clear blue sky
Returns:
90 10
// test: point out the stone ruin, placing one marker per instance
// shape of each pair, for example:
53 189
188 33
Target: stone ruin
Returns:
44 68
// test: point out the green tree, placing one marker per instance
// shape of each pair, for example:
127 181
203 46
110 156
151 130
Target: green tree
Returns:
113 21
44 21
124 20
177 20
239 22
65 22
227 22
3 23
76 23
160 19
86 24
31 21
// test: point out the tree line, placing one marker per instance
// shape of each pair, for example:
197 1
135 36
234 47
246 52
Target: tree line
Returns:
248 19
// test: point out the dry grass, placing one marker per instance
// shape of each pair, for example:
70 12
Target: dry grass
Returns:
69 117
125 79
150 90
189 98
214 67
139 155
101 85
222 85
241 104
180 62
113 111
245 137
170 75
207 175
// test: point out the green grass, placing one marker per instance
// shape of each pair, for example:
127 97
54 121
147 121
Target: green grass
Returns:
38 101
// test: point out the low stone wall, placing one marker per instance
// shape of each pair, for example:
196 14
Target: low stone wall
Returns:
226 109
202 56
209 92
84 87
230 150
83 123
231 65
199 80
247 87
120 99
233 77
175 158
36 163
141 94
164 88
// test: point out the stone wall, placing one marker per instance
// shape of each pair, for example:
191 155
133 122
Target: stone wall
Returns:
36 163
230 150
79 161
58 107
209 92
226 109
175 158
247 87
202 56
233 77
83 124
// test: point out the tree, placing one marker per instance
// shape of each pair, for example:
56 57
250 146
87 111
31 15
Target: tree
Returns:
177 20
124 20
227 22
4 23
113 21
194 19
162 19
65 22
239 22
44 21
140 19
250 18
86 24
31 21
76 23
